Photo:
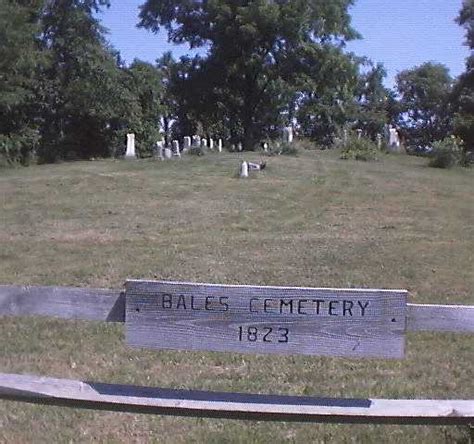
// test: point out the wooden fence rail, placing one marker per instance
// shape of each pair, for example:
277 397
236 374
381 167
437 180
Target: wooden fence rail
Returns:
93 304
125 398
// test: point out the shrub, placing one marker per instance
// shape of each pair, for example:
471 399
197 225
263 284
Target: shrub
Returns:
447 153
359 149
18 149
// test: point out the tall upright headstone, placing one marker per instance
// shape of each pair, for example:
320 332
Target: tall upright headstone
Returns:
240 147
379 141
186 143
196 140
175 148
167 153
130 153
211 144
244 169
288 134
394 138
219 145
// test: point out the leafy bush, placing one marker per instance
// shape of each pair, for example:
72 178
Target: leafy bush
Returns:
17 149
359 149
287 149
447 153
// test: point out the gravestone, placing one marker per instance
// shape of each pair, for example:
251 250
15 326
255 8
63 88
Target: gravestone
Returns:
244 169
211 144
159 146
394 140
196 140
379 141
130 153
204 143
288 134
265 147
359 133
167 153
186 143
175 148
219 145
239 147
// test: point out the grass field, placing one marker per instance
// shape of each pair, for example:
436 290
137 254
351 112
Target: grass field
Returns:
311 220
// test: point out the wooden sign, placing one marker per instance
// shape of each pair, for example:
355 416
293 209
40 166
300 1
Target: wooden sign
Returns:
253 319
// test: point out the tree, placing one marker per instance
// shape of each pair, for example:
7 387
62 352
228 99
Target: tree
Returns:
145 85
374 102
424 100
19 56
463 95
258 49
85 102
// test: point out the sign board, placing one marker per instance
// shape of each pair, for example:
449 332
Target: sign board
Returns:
254 319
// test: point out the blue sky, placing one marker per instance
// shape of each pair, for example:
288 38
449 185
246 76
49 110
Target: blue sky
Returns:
400 34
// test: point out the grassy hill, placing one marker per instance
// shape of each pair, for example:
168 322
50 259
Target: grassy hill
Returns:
311 220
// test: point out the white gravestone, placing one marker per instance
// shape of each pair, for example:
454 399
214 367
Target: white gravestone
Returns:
211 144
167 153
186 143
288 134
196 141
394 138
175 148
160 145
240 147
204 143
244 169
130 153
379 141
219 145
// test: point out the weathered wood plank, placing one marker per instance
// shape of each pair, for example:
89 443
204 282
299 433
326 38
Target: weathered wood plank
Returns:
256 319
109 305
79 394
442 318
63 302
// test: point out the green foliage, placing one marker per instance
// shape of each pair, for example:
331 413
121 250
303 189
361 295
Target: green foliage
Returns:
375 102
359 149
463 95
144 83
84 97
265 59
18 148
19 55
447 153
425 110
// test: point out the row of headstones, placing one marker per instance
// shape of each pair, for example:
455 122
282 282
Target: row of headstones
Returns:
392 137
166 152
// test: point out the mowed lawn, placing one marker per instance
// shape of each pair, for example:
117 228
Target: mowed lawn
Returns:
311 220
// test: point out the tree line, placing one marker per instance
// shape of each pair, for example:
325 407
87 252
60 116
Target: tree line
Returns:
65 93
